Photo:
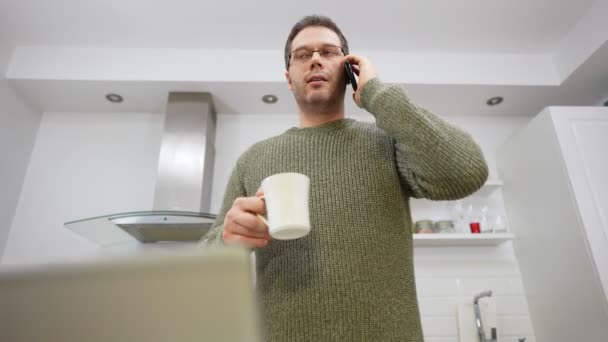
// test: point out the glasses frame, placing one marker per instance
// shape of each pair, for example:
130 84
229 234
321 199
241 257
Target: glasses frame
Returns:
313 52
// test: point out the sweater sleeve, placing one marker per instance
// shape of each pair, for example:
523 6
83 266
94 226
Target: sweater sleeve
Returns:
234 190
435 159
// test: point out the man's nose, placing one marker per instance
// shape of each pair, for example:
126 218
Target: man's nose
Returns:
315 59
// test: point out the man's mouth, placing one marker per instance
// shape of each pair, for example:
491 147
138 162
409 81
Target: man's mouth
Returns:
316 78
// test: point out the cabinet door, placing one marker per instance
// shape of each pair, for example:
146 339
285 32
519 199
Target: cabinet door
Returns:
554 170
582 133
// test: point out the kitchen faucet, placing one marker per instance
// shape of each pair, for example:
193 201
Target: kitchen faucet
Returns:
480 331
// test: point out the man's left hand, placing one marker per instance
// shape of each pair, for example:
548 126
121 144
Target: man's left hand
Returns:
363 68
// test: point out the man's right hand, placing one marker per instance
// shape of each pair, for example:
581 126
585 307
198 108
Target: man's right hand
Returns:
241 224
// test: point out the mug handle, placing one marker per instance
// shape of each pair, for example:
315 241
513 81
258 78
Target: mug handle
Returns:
262 218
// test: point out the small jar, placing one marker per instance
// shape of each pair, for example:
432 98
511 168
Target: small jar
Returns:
444 226
424 226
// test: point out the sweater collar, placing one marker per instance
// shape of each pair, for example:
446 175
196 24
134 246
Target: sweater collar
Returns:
326 127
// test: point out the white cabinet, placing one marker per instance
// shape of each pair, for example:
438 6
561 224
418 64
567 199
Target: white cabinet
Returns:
555 173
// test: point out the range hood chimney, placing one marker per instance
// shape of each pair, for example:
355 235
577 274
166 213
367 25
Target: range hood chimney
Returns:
182 196
187 154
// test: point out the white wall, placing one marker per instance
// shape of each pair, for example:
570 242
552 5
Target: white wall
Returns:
18 126
447 277
86 164
235 133
82 165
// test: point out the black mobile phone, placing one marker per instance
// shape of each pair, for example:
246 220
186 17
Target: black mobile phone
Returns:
350 75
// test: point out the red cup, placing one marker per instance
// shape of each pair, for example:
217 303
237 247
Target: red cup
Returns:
475 229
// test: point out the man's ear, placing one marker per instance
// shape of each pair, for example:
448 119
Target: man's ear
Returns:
288 80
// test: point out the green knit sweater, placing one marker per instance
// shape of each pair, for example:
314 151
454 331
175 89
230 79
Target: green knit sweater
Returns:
352 278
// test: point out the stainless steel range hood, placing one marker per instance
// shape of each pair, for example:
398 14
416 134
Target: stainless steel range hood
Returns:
183 187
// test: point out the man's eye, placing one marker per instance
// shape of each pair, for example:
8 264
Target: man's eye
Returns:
302 55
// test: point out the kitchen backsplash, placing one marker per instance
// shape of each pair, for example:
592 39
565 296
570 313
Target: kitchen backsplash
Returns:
449 276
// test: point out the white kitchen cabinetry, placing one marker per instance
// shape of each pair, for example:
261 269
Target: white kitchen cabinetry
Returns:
555 171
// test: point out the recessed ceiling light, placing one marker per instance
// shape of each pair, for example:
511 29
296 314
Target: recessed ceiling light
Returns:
114 98
493 101
270 99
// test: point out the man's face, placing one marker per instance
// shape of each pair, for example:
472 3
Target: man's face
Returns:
319 81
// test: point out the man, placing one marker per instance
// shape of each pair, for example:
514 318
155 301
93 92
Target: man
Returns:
352 277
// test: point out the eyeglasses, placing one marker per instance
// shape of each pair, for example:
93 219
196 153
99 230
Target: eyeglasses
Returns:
304 55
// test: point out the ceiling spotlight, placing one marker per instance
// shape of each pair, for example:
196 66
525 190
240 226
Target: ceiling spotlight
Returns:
493 101
114 98
270 99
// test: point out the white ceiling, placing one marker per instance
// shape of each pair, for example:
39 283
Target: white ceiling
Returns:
477 29
513 26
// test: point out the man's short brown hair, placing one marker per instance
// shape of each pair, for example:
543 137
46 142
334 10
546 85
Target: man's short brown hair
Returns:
313 20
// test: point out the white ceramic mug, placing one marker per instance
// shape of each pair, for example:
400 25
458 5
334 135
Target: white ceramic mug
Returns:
286 196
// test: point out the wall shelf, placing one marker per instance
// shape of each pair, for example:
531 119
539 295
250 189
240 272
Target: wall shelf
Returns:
461 239
489 187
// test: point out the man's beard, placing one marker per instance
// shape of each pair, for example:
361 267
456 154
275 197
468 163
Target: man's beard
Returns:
320 101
